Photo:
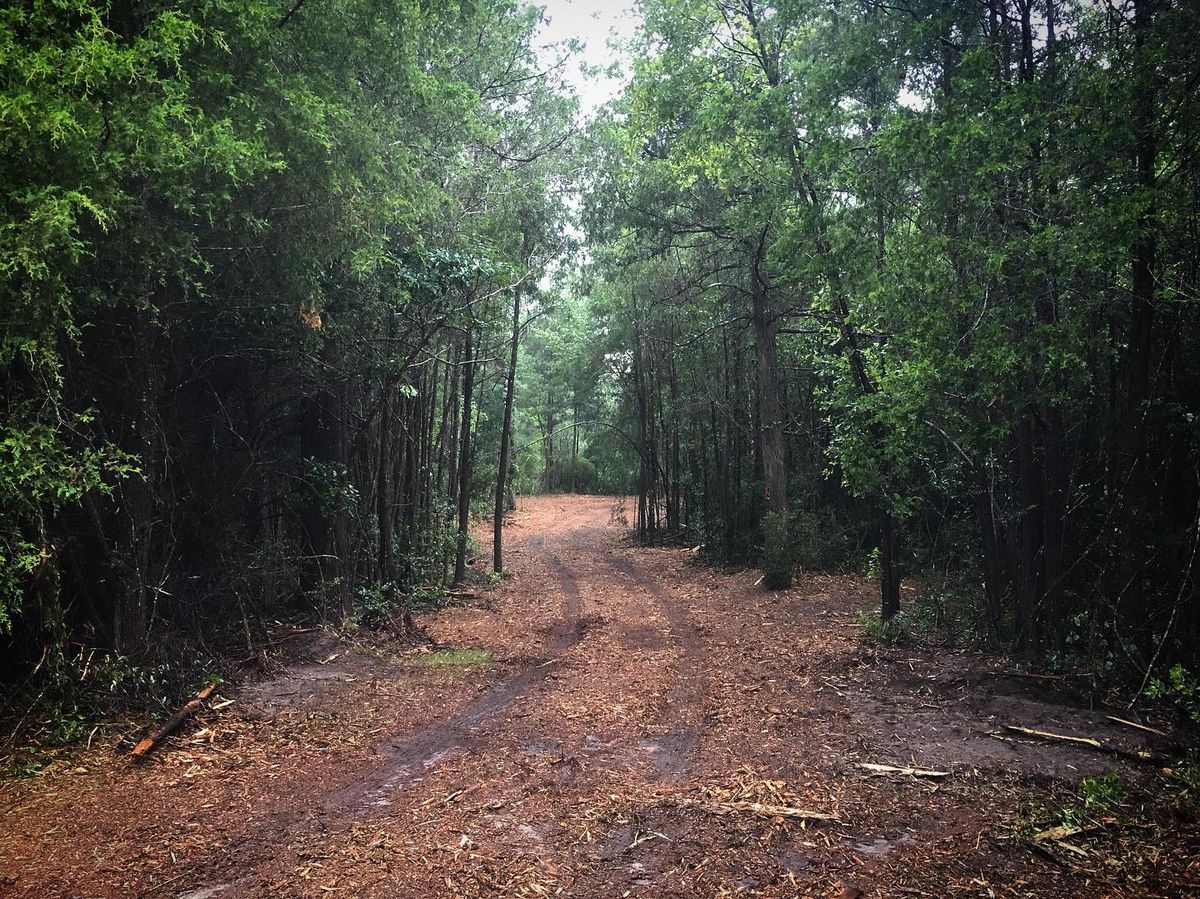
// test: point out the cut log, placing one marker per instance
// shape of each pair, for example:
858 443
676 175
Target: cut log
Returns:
185 711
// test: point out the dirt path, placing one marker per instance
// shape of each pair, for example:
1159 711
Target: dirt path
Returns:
630 709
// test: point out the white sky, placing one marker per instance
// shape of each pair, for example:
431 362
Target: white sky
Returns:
593 23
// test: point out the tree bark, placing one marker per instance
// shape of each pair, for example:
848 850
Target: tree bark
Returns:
505 439
464 459
769 412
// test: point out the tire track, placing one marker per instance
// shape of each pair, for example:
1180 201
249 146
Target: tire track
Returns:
405 759
673 750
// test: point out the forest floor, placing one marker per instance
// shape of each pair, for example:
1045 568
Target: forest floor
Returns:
609 722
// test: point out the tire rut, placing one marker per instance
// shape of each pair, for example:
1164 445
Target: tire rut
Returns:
405 760
684 719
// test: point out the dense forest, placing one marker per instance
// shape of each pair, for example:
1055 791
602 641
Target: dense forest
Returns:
294 292
917 282
263 268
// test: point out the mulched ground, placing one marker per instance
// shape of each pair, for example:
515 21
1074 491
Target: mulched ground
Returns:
645 726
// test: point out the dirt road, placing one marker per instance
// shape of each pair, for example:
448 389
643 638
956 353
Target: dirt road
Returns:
609 721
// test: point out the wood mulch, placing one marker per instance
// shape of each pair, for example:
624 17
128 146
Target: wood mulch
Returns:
639 726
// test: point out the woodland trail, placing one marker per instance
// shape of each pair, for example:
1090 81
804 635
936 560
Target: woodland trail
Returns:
631 708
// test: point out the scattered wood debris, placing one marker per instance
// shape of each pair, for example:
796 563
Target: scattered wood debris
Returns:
1062 832
1047 735
737 764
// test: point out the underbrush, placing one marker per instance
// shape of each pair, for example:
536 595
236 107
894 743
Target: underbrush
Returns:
1107 806
94 690
1094 799
68 701
945 613
1179 690
939 611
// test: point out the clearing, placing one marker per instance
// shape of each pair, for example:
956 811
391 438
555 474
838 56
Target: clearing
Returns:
615 721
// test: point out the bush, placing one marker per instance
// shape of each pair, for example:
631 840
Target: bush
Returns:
1181 689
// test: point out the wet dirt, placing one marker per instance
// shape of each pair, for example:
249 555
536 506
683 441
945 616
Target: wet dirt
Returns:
637 707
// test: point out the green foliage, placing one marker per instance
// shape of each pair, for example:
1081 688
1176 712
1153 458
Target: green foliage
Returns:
823 541
1181 689
69 706
332 486
40 473
985 336
897 631
454 658
1184 781
915 266
378 604
559 384
1102 793
231 240
1094 798
941 611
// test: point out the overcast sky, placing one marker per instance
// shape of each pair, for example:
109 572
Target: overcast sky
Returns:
591 22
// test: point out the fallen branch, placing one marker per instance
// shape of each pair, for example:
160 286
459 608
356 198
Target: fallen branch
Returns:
186 711
1046 735
1134 724
452 796
892 769
755 808
646 838
1137 755
1061 678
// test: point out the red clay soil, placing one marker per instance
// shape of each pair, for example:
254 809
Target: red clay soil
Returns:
640 726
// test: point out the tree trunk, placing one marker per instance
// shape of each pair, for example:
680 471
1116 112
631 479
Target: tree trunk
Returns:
133 553
451 446
548 450
994 583
505 439
464 459
770 415
574 449
1143 252
889 581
